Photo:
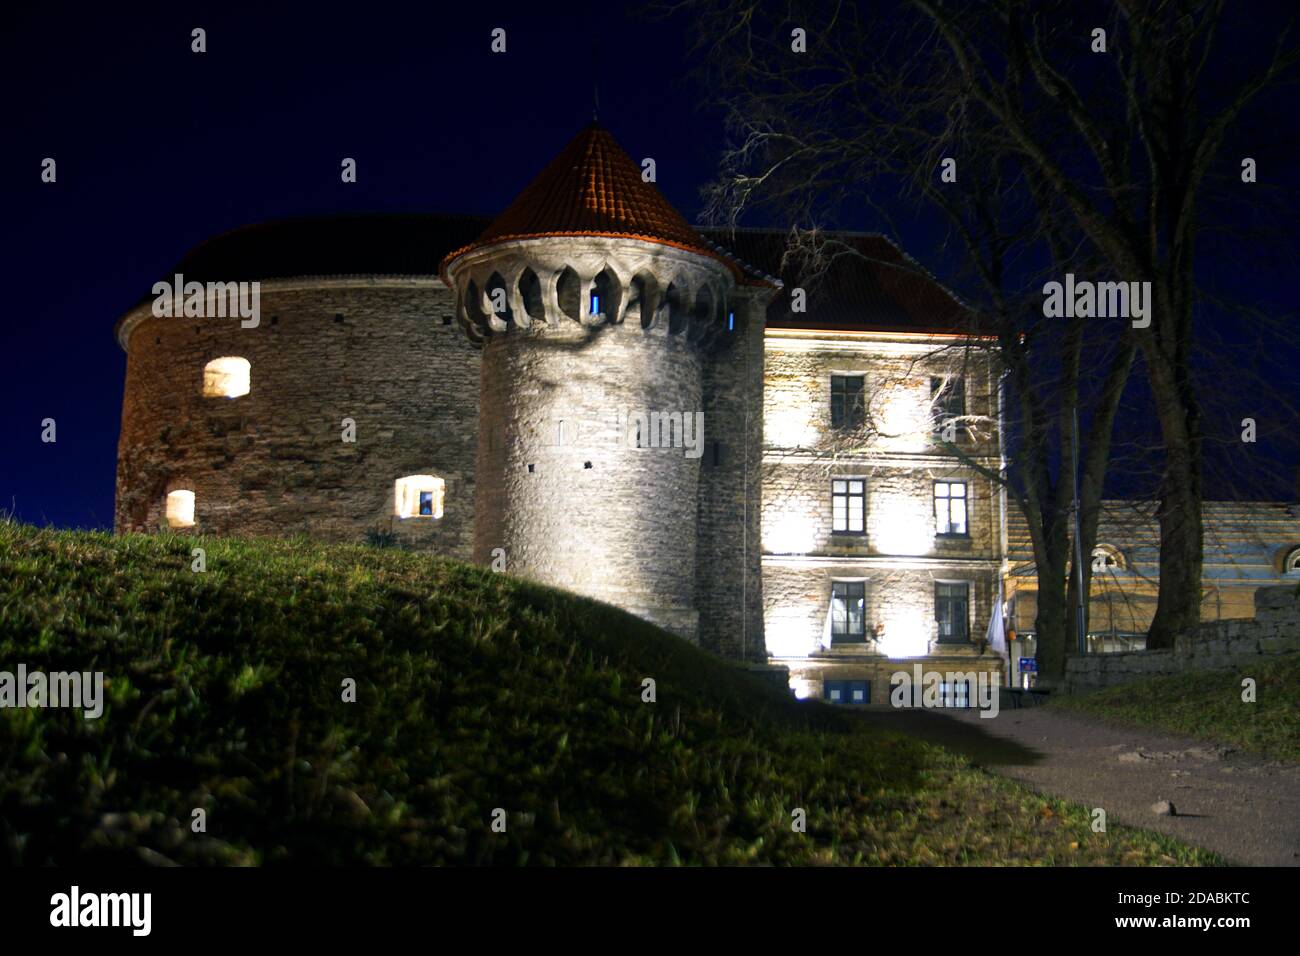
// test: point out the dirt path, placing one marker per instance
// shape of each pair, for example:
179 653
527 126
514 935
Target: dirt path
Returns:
1241 807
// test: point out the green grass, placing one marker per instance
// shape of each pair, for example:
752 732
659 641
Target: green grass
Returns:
1208 705
475 691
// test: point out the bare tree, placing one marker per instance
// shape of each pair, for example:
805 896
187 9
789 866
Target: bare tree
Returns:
1138 200
1071 151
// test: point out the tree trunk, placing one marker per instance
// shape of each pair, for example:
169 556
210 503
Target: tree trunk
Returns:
1178 607
1052 627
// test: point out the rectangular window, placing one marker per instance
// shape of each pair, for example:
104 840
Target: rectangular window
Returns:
418 496
847 691
956 694
952 611
846 401
180 509
948 401
848 506
848 612
950 508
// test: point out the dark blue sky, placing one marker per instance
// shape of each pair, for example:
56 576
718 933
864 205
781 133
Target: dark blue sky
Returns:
159 148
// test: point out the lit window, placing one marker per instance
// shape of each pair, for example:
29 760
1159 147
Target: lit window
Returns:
731 321
950 507
226 377
846 401
1106 557
604 296
848 612
847 691
848 506
418 496
955 694
180 509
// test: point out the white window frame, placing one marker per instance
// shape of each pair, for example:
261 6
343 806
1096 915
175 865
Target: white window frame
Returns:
848 497
406 496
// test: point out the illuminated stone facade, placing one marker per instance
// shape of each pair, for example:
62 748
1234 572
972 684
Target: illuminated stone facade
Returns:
380 353
895 457
456 389
1248 545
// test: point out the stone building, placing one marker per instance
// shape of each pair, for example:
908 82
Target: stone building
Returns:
472 388
1248 545
880 541
602 397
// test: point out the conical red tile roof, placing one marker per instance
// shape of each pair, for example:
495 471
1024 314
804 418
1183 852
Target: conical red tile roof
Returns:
594 188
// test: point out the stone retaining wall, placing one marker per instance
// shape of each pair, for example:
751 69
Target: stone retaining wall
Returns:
1212 646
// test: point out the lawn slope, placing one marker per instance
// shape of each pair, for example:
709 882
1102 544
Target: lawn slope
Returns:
474 692
1208 705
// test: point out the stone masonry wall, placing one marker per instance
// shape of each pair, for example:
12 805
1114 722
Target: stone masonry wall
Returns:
582 510
899 603
900 556
897 396
273 462
900 516
729 571
1212 646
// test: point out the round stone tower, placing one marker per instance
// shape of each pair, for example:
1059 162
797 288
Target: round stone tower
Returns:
597 306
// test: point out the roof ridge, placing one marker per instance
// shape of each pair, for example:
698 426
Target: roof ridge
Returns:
592 187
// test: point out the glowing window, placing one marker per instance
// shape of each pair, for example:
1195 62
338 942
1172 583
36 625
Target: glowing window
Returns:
226 377
1106 557
180 509
956 694
848 506
950 508
847 691
418 496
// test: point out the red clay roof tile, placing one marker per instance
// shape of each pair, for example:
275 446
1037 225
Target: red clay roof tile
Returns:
593 188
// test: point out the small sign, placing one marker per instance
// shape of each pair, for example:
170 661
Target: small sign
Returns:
1029 664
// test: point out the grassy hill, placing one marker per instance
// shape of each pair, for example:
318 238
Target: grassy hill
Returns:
474 692
1208 704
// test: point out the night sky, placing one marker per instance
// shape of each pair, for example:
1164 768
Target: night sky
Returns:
159 148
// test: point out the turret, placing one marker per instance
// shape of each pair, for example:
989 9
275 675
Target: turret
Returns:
597 306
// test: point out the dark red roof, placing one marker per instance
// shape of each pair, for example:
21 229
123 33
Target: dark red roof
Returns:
387 243
594 188
878 288
867 283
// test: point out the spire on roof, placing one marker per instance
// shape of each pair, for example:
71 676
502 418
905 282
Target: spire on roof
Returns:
593 188
595 81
